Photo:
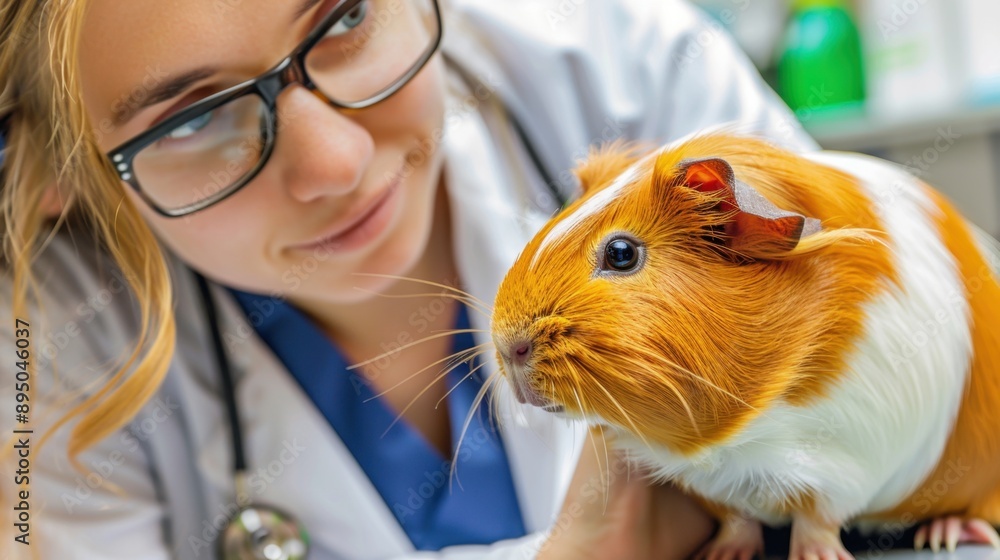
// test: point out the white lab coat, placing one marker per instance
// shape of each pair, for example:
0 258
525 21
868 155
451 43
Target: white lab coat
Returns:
574 73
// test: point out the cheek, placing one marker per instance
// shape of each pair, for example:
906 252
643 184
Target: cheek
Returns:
216 241
414 113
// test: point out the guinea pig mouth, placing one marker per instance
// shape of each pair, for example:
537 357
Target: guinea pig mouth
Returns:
521 349
524 393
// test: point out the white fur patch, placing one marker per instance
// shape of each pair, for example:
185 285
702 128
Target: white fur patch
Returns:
883 428
592 206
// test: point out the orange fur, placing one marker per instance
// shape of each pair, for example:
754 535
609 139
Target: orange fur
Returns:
605 163
967 478
698 344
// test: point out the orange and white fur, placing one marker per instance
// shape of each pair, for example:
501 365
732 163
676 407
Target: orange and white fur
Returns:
805 337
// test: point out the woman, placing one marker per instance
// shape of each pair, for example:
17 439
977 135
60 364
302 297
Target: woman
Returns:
368 155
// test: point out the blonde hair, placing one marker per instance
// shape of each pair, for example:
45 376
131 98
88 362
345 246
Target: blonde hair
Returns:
50 142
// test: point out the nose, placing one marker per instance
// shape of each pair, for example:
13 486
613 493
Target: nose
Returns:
321 151
515 355
520 352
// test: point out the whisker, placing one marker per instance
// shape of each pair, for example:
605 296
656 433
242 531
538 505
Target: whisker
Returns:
628 418
605 479
476 402
464 299
494 379
494 403
514 409
479 331
597 455
614 401
428 283
420 394
604 467
673 388
468 375
475 350
576 395
409 345
699 378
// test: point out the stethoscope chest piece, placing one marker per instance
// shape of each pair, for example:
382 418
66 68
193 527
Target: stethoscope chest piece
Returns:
264 533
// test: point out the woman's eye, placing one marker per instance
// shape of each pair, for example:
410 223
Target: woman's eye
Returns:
191 127
621 255
350 20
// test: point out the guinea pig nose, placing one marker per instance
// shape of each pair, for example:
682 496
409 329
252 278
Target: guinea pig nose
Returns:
520 352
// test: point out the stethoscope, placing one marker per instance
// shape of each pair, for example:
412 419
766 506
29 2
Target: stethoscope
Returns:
263 532
255 531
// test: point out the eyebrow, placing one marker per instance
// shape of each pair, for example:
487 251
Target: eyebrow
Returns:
175 86
161 92
304 7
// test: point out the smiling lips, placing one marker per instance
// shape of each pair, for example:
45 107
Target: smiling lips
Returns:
361 228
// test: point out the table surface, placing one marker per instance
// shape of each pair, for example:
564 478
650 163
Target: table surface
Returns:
967 552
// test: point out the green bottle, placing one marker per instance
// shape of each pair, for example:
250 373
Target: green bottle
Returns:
820 71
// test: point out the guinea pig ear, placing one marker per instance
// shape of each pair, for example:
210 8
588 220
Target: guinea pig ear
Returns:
758 229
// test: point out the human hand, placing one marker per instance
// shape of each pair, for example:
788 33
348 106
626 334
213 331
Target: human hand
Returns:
612 511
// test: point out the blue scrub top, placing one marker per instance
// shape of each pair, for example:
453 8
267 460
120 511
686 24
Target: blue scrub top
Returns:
476 506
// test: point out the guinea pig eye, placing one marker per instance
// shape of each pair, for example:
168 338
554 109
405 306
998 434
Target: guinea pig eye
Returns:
621 254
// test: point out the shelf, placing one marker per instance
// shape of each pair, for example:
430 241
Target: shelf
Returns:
858 132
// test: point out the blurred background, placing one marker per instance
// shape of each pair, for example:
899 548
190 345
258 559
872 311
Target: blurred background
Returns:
912 81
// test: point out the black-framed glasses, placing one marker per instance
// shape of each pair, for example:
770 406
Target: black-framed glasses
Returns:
361 53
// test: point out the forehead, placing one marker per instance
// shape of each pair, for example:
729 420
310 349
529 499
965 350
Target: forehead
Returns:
128 47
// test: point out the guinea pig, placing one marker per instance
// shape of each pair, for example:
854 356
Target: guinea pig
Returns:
807 338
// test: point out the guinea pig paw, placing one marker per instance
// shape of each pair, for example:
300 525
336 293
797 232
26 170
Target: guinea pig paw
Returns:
813 543
820 551
738 538
953 531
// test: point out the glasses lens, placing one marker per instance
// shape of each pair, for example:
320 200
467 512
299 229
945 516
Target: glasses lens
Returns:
373 46
200 160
